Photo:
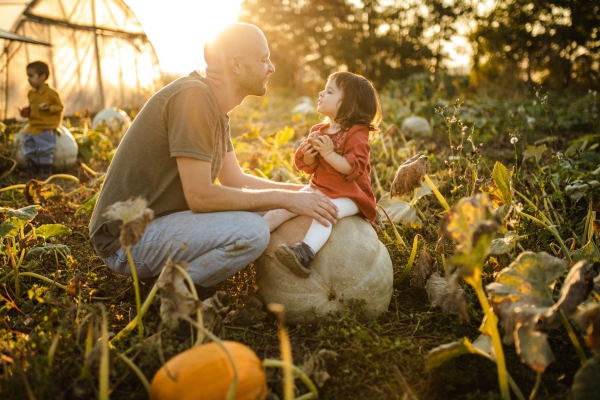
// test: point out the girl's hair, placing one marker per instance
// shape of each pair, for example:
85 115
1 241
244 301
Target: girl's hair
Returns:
359 104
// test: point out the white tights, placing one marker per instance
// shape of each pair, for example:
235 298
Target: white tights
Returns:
317 234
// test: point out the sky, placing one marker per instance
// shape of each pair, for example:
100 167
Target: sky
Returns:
178 29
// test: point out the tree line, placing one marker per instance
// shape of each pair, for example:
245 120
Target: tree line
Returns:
532 42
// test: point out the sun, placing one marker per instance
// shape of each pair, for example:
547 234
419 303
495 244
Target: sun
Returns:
178 29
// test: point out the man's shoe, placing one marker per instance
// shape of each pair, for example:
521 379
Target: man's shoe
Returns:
297 258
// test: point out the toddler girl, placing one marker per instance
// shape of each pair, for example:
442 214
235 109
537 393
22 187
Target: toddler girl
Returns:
336 153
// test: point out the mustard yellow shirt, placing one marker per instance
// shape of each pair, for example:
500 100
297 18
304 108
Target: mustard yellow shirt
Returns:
41 120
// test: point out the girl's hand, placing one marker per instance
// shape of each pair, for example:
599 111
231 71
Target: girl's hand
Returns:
310 154
324 145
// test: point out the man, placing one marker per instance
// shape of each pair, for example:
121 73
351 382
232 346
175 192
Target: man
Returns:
172 154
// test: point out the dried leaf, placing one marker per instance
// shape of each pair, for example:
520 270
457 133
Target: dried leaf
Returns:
135 216
446 352
37 193
464 218
400 211
423 268
175 296
214 310
315 365
377 224
505 244
251 313
441 294
442 241
410 175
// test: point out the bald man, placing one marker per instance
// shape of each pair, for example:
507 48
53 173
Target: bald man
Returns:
176 148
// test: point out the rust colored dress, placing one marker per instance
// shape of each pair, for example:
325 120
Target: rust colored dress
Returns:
353 144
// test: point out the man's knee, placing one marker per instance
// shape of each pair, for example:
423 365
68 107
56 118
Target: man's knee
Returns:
256 232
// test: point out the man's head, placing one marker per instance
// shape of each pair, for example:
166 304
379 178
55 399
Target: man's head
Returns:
240 51
37 73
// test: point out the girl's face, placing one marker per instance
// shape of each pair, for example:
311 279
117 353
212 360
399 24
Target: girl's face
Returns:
330 100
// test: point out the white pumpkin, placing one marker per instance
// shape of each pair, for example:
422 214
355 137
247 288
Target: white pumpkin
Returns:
112 117
65 153
416 127
353 264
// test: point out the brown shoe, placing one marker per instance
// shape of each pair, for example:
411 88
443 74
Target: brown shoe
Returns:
297 258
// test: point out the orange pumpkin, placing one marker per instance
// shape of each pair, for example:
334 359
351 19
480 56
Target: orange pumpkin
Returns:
205 373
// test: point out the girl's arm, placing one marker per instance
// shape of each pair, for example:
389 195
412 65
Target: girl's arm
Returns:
324 146
355 161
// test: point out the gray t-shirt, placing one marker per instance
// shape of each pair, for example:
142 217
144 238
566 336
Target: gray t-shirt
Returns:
182 119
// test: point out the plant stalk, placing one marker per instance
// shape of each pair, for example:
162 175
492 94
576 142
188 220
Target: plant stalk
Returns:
136 285
573 337
437 193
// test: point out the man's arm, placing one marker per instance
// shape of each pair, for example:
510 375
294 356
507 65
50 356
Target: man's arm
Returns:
204 196
232 175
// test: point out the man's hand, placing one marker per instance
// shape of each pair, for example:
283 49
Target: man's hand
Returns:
310 154
315 205
324 145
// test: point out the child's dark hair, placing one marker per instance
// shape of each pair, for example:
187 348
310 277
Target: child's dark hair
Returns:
359 104
40 68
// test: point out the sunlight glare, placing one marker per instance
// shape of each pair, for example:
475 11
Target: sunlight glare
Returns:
178 29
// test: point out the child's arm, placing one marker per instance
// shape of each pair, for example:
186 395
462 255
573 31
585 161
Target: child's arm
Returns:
55 105
299 160
324 146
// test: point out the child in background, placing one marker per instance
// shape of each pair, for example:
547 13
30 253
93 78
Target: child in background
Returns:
45 115
336 153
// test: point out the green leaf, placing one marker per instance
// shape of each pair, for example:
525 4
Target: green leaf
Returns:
505 244
464 218
589 252
26 213
577 189
401 211
8 230
50 230
50 248
534 152
586 383
501 178
283 136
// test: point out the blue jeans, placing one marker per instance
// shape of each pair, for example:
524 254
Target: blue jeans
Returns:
40 148
218 245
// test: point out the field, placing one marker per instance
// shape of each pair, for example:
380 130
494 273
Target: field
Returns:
516 179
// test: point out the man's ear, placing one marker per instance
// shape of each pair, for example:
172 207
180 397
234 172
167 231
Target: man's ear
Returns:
235 64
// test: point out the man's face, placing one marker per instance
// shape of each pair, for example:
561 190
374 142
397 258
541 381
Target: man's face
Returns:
258 68
35 80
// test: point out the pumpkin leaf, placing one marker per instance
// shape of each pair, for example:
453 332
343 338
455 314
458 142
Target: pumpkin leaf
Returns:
401 211
464 218
523 290
8 230
135 217
175 296
447 295
588 320
446 352
50 230
576 288
589 252
533 346
26 214
505 244
423 268
410 175
504 191
535 152
37 252
586 382
577 189
283 136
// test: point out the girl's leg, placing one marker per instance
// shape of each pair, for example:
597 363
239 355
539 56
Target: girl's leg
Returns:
275 218
317 234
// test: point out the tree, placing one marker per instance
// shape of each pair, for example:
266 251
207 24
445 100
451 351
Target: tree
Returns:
554 43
